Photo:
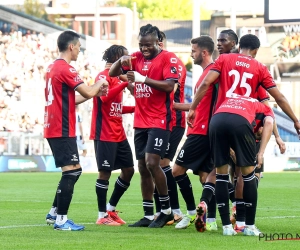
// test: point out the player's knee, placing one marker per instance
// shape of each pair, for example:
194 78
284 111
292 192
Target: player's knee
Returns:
128 172
178 170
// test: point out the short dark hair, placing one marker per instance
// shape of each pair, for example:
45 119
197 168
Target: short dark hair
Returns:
232 35
249 41
65 38
204 42
113 53
150 30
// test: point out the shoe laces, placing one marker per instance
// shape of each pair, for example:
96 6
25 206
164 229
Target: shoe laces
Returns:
70 222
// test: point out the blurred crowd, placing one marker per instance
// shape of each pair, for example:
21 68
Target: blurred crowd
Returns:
289 47
24 57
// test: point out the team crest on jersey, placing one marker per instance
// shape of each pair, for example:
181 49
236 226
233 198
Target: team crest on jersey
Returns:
173 70
72 70
146 66
102 77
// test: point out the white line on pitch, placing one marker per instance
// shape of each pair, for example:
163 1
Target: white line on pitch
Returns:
89 223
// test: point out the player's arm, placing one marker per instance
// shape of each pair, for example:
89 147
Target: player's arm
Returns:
165 86
201 91
113 92
181 106
116 68
265 137
285 106
278 139
128 109
80 99
99 88
176 86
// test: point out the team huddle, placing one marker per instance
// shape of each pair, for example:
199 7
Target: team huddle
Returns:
229 125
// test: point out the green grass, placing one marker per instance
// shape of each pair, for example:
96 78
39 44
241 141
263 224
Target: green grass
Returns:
26 198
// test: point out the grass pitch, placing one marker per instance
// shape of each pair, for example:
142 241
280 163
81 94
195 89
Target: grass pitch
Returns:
27 197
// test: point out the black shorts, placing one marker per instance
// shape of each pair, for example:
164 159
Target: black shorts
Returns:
113 155
195 154
175 138
150 140
261 169
64 150
230 130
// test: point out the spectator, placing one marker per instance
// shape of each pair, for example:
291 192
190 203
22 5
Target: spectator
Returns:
5 29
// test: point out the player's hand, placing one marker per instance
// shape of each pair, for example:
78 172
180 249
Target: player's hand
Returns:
259 158
103 90
191 117
134 76
126 61
130 87
297 127
83 141
281 144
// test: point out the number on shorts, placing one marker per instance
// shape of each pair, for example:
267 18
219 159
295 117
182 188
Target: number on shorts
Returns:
181 153
158 142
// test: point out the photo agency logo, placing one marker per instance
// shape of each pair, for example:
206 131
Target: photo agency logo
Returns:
278 236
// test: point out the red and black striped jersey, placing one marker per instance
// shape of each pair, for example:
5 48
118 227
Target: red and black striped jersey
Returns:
153 107
61 81
246 107
242 75
205 108
107 112
179 117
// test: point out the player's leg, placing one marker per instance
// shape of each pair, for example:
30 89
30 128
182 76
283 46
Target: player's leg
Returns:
240 204
244 146
200 221
219 135
105 153
66 156
206 209
147 186
156 146
258 171
208 200
124 162
175 138
192 155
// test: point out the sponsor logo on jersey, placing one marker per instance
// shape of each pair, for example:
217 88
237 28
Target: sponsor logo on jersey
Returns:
173 60
142 90
116 109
